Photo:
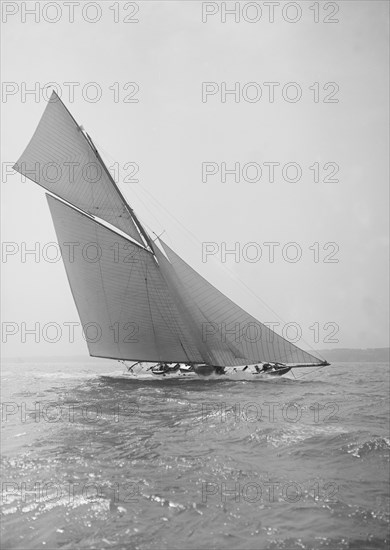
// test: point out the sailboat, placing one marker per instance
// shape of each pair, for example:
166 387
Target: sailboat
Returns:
137 299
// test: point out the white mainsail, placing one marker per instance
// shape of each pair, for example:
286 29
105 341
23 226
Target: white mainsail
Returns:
62 159
135 301
119 293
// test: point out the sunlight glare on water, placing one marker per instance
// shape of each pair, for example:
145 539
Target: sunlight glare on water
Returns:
93 461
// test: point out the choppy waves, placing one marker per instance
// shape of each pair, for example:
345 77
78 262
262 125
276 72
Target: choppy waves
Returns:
92 462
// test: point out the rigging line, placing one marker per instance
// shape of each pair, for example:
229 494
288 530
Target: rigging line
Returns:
229 271
145 204
157 236
292 372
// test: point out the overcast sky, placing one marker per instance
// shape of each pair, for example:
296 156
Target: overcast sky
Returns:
170 132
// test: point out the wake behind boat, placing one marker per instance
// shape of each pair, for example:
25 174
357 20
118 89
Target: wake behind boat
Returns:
137 299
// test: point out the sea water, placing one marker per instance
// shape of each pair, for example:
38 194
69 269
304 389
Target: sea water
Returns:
97 461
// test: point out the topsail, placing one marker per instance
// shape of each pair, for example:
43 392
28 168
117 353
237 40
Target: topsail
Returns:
63 160
137 300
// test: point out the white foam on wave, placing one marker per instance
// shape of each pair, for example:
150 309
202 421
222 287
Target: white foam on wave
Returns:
295 434
234 376
361 449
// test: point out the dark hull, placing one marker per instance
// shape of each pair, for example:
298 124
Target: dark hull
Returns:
279 371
